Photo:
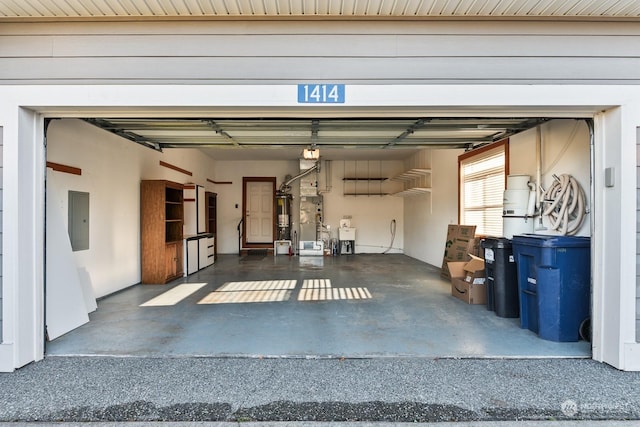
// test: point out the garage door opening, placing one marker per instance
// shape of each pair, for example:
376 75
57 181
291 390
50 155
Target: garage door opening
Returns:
394 182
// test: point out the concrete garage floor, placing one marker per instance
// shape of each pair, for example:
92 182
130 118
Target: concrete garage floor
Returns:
362 306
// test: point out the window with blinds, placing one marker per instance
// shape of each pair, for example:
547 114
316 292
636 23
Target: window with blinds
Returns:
482 181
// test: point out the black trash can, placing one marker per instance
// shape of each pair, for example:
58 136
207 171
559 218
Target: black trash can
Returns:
501 277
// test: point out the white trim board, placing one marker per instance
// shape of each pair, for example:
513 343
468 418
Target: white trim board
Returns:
620 104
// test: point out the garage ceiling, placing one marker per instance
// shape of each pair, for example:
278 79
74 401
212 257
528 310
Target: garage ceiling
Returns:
336 138
131 9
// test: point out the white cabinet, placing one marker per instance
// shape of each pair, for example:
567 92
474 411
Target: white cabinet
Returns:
195 218
191 256
205 251
211 250
198 252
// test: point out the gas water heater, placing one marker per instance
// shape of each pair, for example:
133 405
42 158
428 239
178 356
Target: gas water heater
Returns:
518 206
283 210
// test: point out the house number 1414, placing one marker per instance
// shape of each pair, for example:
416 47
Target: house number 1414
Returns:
321 93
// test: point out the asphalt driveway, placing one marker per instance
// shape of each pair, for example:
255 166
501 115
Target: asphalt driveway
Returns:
103 389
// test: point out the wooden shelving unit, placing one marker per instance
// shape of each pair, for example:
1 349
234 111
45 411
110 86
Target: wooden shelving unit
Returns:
211 206
162 220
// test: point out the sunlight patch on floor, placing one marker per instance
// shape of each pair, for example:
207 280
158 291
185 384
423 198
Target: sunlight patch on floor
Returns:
257 285
321 290
174 295
251 291
240 297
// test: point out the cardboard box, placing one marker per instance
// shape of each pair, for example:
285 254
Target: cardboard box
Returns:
466 231
460 243
452 232
461 246
474 271
476 248
468 281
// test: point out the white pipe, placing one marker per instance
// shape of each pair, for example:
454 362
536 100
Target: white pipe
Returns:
327 177
538 168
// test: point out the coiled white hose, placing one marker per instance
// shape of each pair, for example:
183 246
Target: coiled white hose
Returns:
566 207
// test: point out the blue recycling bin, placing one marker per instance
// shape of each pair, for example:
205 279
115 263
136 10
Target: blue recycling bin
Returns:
554 280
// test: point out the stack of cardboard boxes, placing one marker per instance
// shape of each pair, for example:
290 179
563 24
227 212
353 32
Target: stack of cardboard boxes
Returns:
463 266
460 243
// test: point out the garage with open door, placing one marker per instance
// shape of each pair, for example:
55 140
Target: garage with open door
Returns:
263 200
257 299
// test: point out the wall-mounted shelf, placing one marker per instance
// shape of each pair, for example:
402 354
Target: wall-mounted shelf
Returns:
363 178
413 191
413 182
411 174
365 194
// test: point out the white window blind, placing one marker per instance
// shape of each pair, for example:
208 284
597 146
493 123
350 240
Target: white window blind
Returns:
482 180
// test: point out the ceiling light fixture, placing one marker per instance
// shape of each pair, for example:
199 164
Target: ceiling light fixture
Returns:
311 154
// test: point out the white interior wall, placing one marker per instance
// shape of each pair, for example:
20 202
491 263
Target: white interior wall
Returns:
371 215
230 195
427 216
112 168
565 150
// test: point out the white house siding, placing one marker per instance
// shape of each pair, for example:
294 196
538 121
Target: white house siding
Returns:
638 239
240 52
1 208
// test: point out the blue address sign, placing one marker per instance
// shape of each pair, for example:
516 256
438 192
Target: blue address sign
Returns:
321 93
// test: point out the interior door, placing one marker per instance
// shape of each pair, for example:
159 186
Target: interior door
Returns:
259 210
